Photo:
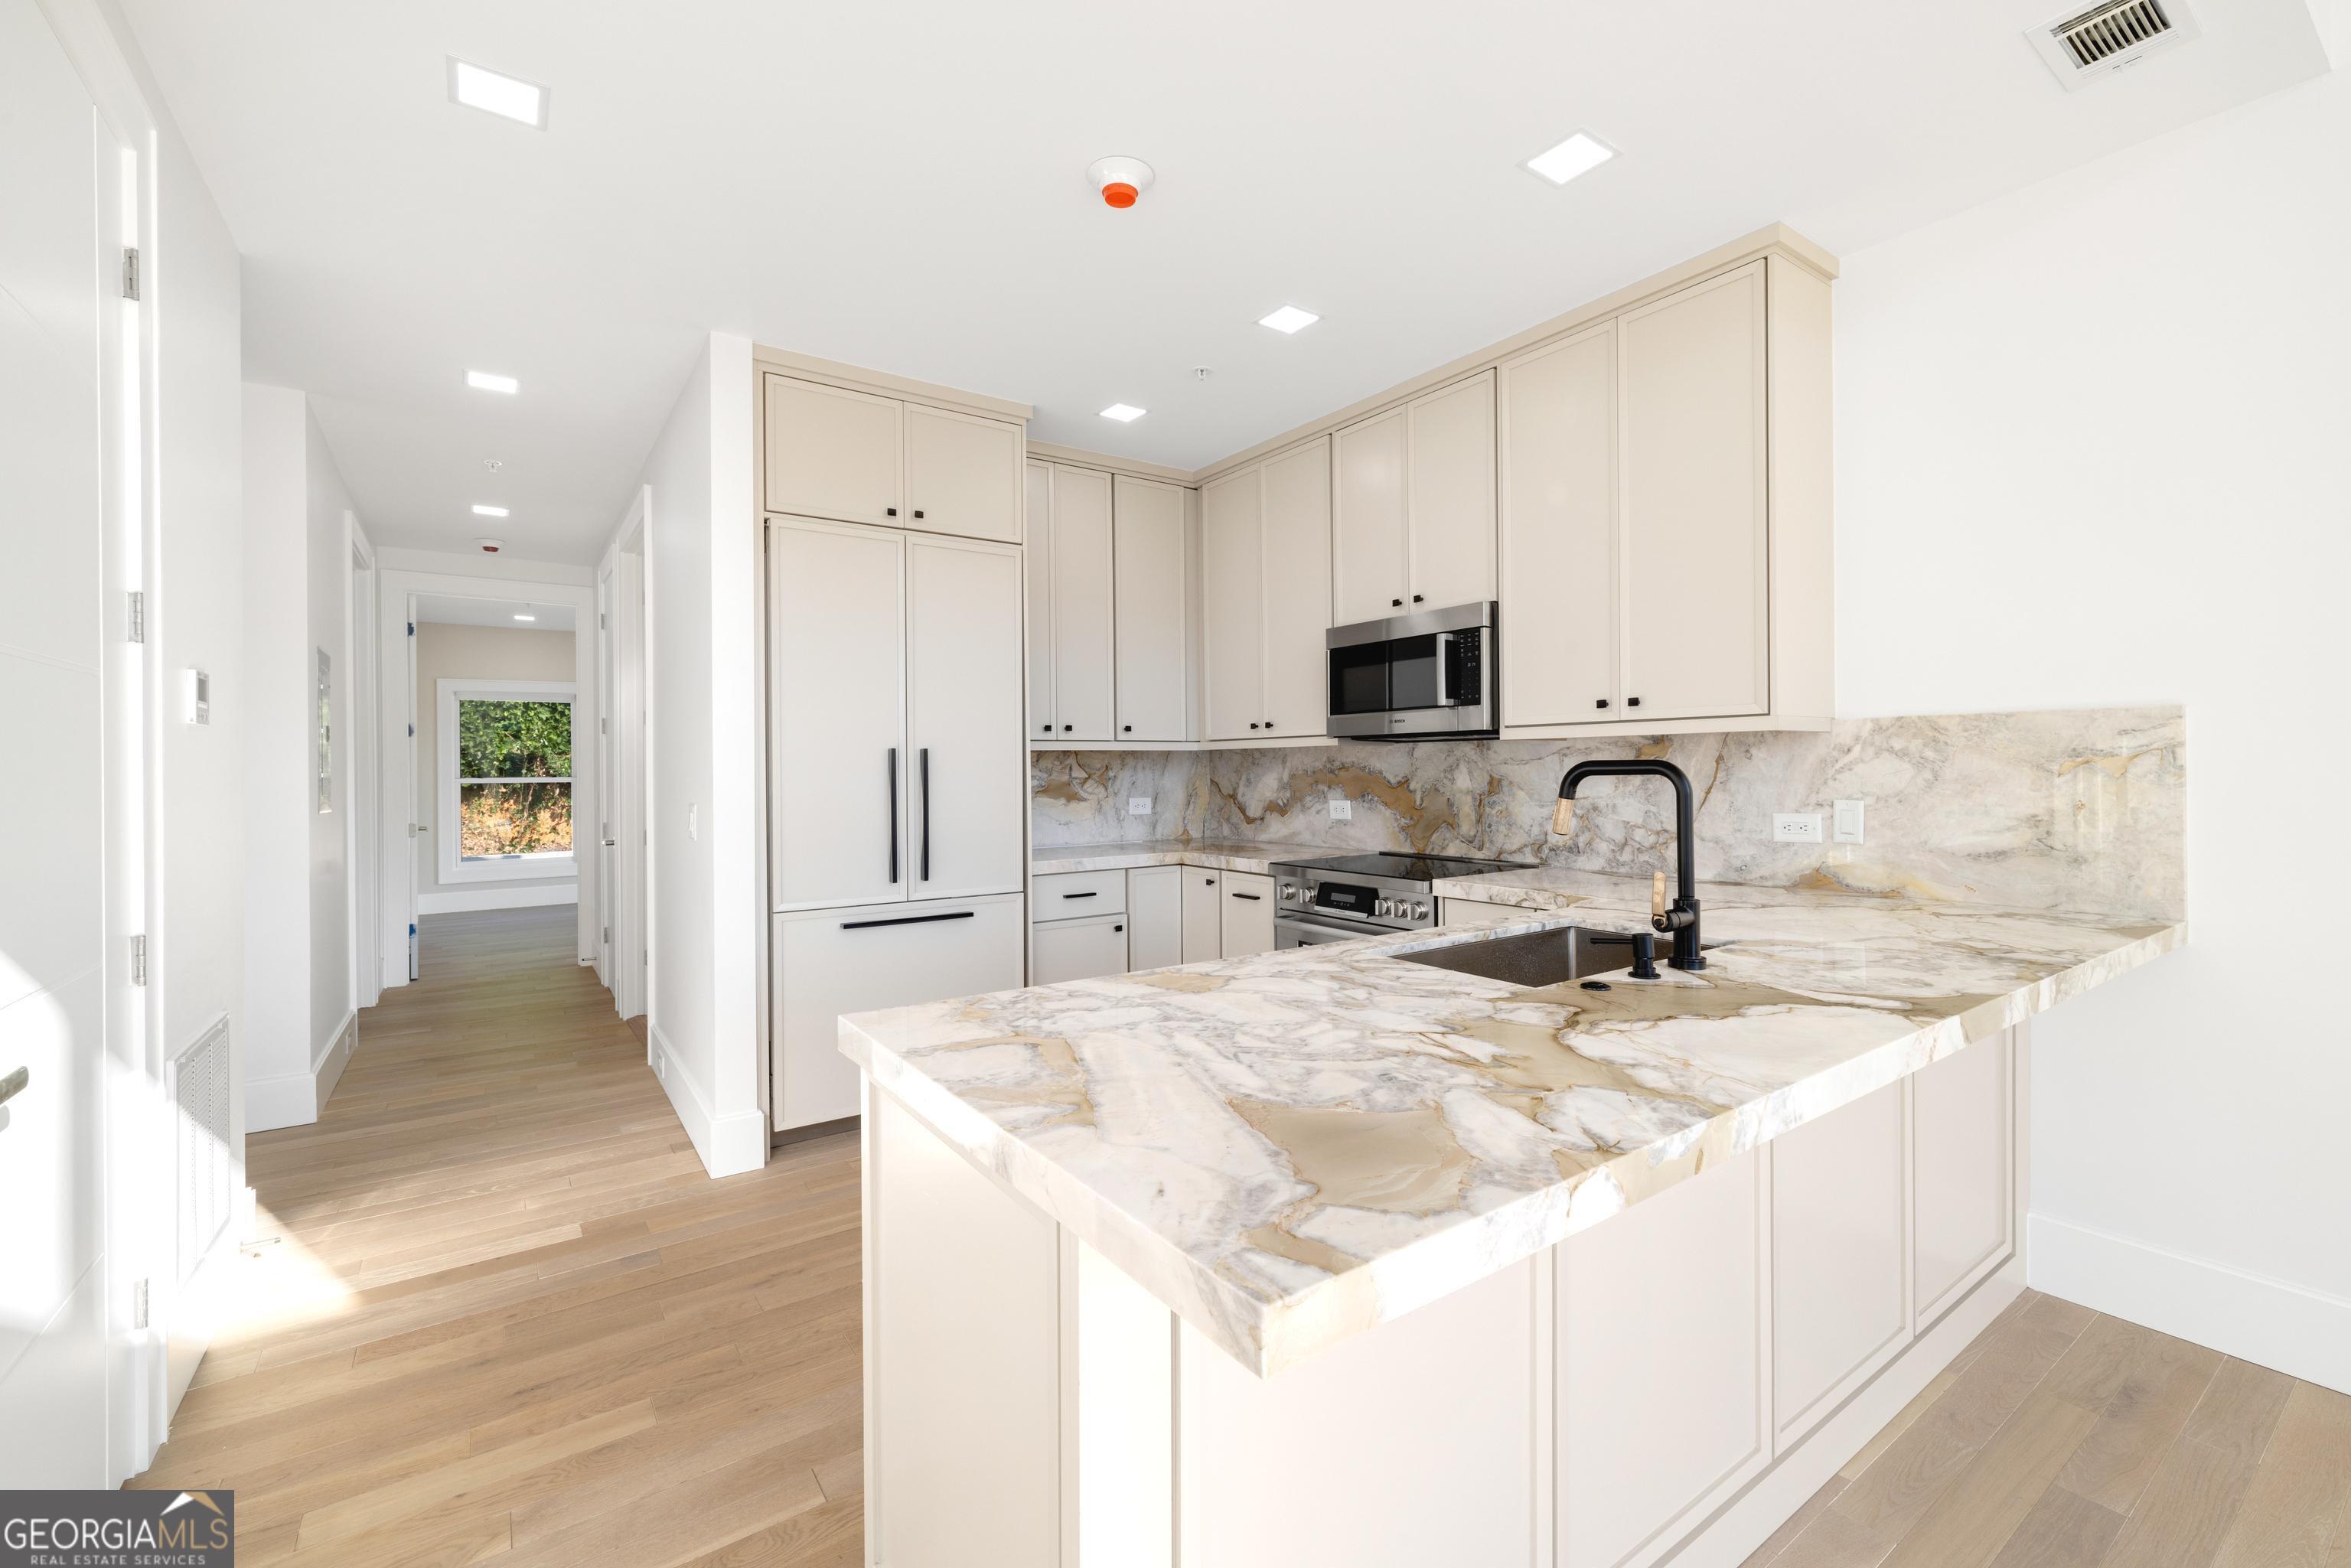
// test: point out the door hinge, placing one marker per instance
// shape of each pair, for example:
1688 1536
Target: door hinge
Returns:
138 960
600 620
603 726
130 271
412 628
139 1299
608 936
411 732
138 616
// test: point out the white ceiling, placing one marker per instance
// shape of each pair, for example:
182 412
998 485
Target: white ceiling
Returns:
448 610
902 186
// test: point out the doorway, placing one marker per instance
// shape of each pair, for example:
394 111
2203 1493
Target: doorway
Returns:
625 944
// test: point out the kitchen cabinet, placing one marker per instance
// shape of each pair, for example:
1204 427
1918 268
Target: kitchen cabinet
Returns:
1961 1198
1154 911
894 767
1559 532
1077 949
828 962
1266 561
1204 915
1838 1230
861 457
1413 504
1151 611
1069 631
1248 925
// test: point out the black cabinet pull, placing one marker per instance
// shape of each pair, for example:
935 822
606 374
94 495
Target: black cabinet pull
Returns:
1632 702
1126 729
1415 598
1252 897
894 815
1397 602
1081 895
905 920
1601 702
1118 928
924 756
1044 729
1252 724
890 511
1208 881
918 511
1268 724
1068 726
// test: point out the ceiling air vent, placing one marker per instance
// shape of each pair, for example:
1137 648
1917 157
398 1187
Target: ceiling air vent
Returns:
2090 43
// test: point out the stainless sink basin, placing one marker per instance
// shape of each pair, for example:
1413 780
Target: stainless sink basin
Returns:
1536 958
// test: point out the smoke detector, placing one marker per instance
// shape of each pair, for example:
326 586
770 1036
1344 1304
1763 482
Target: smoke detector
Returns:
489 547
2081 48
1120 179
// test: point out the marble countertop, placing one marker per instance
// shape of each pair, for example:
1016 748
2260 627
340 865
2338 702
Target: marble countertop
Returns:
1219 854
1293 1148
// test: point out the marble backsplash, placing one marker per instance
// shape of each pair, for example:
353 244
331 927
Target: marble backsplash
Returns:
2079 809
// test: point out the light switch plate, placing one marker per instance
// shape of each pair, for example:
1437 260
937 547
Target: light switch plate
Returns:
1848 821
1138 805
1796 827
1341 808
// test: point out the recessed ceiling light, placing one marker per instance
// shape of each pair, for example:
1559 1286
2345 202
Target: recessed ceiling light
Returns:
526 616
483 380
482 511
511 97
1123 412
1579 154
1289 318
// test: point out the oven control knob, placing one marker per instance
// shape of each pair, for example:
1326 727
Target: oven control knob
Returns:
1288 892
1384 908
1419 911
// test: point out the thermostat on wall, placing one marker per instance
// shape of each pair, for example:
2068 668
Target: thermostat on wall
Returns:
195 696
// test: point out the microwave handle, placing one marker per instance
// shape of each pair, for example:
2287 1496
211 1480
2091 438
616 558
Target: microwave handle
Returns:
1444 652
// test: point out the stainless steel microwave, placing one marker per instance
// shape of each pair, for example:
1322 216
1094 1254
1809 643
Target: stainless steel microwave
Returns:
1432 673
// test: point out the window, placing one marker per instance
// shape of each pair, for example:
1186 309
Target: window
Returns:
505 762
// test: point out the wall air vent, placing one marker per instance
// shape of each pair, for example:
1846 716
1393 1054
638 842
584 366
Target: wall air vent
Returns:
2090 43
200 1097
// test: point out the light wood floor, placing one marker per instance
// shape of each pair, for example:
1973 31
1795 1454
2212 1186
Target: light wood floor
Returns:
2063 1439
506 1319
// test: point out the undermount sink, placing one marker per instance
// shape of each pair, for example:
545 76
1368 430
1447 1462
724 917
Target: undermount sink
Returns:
1536 958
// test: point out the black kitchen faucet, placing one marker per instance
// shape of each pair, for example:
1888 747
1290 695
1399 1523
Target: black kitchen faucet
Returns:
1681 918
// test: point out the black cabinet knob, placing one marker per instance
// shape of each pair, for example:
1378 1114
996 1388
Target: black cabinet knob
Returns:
1415 598
1068 726
890 511
1126 729
1632 702
1118 928
1046 728
1601 702
918 511
1396 601
1268 724
1252 724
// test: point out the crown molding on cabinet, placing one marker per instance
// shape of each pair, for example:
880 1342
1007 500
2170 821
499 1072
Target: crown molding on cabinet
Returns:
808 367
1133 467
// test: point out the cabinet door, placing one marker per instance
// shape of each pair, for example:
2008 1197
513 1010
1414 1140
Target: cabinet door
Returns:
1450 479
1836 1257
833 452
1371 502
1297 590
1690 444
1038 569
1961 1165
1081 604
1077 949
1232 524
1204 915
963 473
968 768
855 960
1150 613
1249 913
1154 916
837 767
1559 532
1660 1409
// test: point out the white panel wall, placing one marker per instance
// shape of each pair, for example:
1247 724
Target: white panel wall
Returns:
327 530
2091 449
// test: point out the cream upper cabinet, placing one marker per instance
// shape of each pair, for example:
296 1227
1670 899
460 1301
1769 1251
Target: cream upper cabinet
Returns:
834 453
1559 532
1297 590
1266 547
1038 569
1413 509
1072 527
1232 546
1151 610
963 473
1692 447
861 457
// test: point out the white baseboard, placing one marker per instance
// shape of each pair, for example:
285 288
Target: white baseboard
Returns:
287 1100
326 1068
729 1145
2271 1322
471 898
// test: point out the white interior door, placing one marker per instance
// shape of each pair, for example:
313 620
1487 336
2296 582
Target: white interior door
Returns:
59 666
837 767
968 771
608 793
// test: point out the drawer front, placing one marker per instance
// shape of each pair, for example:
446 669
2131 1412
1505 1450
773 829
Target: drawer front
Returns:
1077 949
1073 895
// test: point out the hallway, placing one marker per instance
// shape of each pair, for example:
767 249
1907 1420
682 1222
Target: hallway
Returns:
500 1314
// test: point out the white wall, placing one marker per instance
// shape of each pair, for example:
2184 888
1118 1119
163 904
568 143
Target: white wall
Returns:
484 652
326 533
2094 446
703 561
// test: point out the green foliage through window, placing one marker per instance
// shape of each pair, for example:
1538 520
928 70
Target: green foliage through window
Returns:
513 767
514 739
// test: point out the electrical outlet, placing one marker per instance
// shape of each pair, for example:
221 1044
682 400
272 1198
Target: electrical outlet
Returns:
1138 805
1796 827
1341 808
1848 821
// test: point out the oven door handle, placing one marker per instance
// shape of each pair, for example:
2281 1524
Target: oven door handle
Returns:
1444 652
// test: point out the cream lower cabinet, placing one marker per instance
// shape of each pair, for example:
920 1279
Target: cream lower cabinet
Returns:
825 963
1266 575
1839 1223
1095 923
858 456
1203 903
1077 949
1248 925
1412 519
1155 908
1963 1121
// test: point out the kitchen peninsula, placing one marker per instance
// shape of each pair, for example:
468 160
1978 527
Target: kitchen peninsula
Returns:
1330 1256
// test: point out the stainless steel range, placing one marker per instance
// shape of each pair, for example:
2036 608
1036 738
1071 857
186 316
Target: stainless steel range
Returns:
1362 895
